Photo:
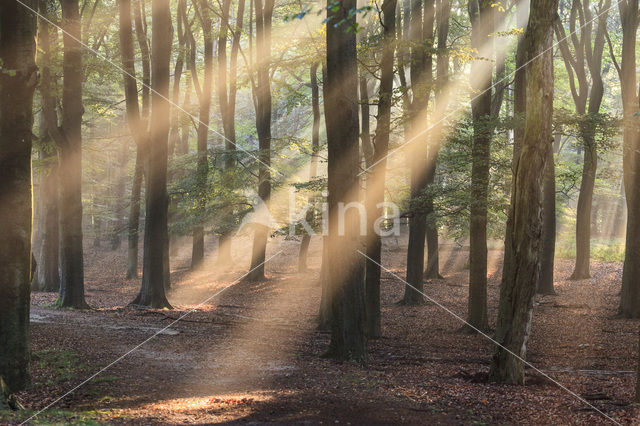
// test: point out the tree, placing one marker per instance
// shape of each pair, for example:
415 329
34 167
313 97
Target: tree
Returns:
70 154
523 238
227 94
481 15
262 101
18 79
443 11
421 21
156 239
48 256
630 294
345 268
376 178
204 100
313 166
586 61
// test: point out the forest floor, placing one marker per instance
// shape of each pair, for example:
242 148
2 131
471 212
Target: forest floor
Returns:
252 354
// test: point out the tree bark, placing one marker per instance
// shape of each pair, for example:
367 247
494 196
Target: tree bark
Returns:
523 239
345 267
377 173
17 84
156 239
70 151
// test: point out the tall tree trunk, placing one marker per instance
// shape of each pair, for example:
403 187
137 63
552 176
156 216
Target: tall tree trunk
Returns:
156 239
630 294
70 150
376 178
421 36
523 239
313 166
547 257
227 102
17 53
443 12
137 129
481 16
49 260
345 267
120 187
263 127
197 253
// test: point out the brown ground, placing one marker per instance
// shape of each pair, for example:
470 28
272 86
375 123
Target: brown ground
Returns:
252 354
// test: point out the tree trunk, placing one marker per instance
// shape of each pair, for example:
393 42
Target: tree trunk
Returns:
156 239
481 16
345 267
313 165
547 257
443 12
17 52
377 174
630 294
523 239
48 263
70 151
263 127
119 223
421 36
133 224
204 98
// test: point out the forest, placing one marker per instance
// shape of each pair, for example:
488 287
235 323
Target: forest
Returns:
307 212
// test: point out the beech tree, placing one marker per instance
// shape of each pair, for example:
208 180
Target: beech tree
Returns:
523 239
345 265
156 239
262 96
18 79
70 154
585 63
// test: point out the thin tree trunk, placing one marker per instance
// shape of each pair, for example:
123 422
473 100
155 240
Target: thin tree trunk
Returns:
377 174
133 224
17 52
263 127
313 166
197 253
70 150
49 260
523 239
481 16
345 267
421 36
443 11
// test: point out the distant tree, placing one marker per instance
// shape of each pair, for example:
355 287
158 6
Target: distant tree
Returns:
70 172
584 66
18 79
523 238
345 265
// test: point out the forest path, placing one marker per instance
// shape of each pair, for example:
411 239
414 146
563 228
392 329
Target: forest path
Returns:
252 353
